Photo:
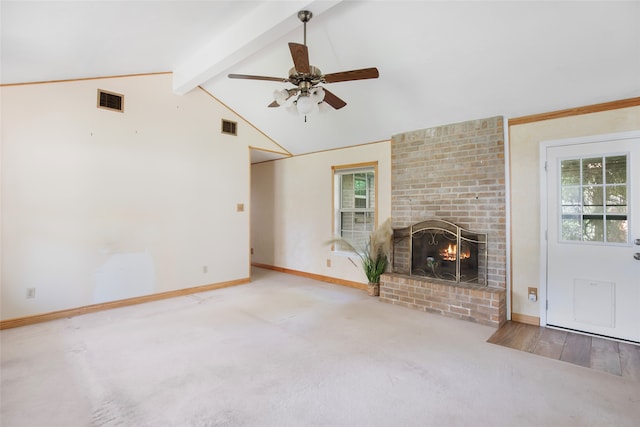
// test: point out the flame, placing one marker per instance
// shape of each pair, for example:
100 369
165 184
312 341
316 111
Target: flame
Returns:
449 254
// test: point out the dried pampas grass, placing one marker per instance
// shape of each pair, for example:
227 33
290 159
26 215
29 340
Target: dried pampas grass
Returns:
375 257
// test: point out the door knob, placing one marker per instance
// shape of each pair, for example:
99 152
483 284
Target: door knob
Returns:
637 242
637 256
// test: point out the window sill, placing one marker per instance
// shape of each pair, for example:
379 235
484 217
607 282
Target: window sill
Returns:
346 254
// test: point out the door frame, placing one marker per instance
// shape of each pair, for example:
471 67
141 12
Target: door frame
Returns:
542 160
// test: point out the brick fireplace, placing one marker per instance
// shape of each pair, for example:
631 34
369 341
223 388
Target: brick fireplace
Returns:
455 174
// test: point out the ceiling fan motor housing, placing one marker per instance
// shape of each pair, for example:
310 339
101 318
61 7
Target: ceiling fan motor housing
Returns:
314 76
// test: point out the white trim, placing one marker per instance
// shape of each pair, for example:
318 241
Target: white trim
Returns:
542 285
590 139
507 192
544 146
345 254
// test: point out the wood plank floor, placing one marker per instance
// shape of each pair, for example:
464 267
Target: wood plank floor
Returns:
614 357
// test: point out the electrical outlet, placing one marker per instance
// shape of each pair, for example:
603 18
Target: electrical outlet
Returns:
328 262
240 207
205 269
251 251
31 293
532 294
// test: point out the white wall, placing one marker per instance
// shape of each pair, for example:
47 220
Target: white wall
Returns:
100 205
524 147
291 209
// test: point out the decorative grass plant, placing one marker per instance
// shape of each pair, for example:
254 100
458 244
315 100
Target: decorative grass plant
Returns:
375 255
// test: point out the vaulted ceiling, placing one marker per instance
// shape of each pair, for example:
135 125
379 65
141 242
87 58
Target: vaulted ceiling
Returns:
439 62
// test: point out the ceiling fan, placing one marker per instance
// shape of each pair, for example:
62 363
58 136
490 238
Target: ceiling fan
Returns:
307 77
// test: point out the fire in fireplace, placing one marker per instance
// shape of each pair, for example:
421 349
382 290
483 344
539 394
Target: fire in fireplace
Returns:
451 253
443 250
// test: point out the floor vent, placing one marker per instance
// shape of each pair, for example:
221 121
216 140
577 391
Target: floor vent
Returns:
110 101
229 127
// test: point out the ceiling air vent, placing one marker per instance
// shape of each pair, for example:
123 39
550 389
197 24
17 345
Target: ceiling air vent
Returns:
110 101
229 127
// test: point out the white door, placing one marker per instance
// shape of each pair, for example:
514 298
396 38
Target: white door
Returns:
593 237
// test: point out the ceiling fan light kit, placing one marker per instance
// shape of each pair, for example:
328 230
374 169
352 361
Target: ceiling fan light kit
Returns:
308 103
307 96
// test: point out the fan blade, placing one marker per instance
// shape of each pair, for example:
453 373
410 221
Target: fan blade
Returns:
365 73
300 55
273 104
333 100
246 76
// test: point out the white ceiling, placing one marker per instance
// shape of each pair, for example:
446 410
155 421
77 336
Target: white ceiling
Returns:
439 62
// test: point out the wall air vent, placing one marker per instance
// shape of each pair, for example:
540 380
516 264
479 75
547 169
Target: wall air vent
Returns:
110 101
229 127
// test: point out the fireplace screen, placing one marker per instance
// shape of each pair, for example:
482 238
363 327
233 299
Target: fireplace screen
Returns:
442 250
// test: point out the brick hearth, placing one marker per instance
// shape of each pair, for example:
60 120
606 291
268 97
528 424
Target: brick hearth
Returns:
480 304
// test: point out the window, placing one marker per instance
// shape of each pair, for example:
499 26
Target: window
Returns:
594 199
354 190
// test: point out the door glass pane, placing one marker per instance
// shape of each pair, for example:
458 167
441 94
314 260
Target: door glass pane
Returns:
593 229
616 199
616 167
592 171
571 228
570 196
571 210
592 199
570 172
617 231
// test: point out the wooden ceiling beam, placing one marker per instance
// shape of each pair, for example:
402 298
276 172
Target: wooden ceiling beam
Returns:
257 30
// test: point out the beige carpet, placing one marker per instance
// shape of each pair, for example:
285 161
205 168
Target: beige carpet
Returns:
287 351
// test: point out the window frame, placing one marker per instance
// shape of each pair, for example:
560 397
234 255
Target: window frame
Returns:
336 197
